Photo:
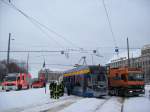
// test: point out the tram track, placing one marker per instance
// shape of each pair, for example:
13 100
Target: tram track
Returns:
119 105
98 107
122 107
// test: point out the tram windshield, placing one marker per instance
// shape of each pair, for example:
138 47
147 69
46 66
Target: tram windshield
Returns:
98 73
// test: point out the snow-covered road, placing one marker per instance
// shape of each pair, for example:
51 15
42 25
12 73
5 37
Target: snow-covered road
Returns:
35 100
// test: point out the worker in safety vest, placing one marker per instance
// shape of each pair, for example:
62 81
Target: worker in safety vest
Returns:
51 88
56 91
61 89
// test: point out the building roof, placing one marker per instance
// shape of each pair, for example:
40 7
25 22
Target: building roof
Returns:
146 47
123 55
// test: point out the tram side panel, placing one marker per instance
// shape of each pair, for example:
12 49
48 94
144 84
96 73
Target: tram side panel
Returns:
89 84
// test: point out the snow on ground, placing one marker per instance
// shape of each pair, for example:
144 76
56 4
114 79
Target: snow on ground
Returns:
35 100
137 104
15 99
32 100
112 105
54 105
96 105
84 105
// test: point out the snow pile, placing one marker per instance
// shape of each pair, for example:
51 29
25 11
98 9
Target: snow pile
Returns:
84 105
147 90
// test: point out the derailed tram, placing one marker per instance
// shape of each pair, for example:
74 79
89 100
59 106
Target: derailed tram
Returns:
87 81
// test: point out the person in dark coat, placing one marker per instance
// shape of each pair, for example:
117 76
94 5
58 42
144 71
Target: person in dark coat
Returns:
56 91
68 86
61 89
51 88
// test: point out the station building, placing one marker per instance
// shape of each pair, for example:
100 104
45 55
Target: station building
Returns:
51 75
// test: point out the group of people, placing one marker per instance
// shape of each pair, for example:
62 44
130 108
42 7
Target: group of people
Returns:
56 90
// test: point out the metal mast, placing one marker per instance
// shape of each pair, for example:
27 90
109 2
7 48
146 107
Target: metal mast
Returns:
128 52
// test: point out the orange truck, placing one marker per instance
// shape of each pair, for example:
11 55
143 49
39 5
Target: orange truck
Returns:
126 81
16 81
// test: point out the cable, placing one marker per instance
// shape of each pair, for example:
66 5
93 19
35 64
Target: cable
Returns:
50 30
34 51
51 64
42 25
55 51
109 22
31 20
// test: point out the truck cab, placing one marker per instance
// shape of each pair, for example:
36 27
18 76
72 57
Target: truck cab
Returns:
126 81
16 81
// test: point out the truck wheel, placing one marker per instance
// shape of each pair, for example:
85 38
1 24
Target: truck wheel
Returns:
27 86
19 87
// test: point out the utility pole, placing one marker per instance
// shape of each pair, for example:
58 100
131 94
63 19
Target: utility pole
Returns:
92 59
8 51
28 63
128 52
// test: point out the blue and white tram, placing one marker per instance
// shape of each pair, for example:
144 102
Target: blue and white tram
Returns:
87 81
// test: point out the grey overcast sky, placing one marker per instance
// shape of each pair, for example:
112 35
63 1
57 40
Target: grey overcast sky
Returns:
83 22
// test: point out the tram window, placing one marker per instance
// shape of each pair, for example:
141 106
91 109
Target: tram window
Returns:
94 78
72 80
89 81
78 80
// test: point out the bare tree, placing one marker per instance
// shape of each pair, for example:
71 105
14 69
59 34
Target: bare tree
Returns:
13 67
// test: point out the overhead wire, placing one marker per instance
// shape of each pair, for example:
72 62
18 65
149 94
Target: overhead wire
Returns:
109 22
31 20
52 64
34 21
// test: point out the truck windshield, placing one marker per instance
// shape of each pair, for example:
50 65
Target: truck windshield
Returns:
135 77
10 79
